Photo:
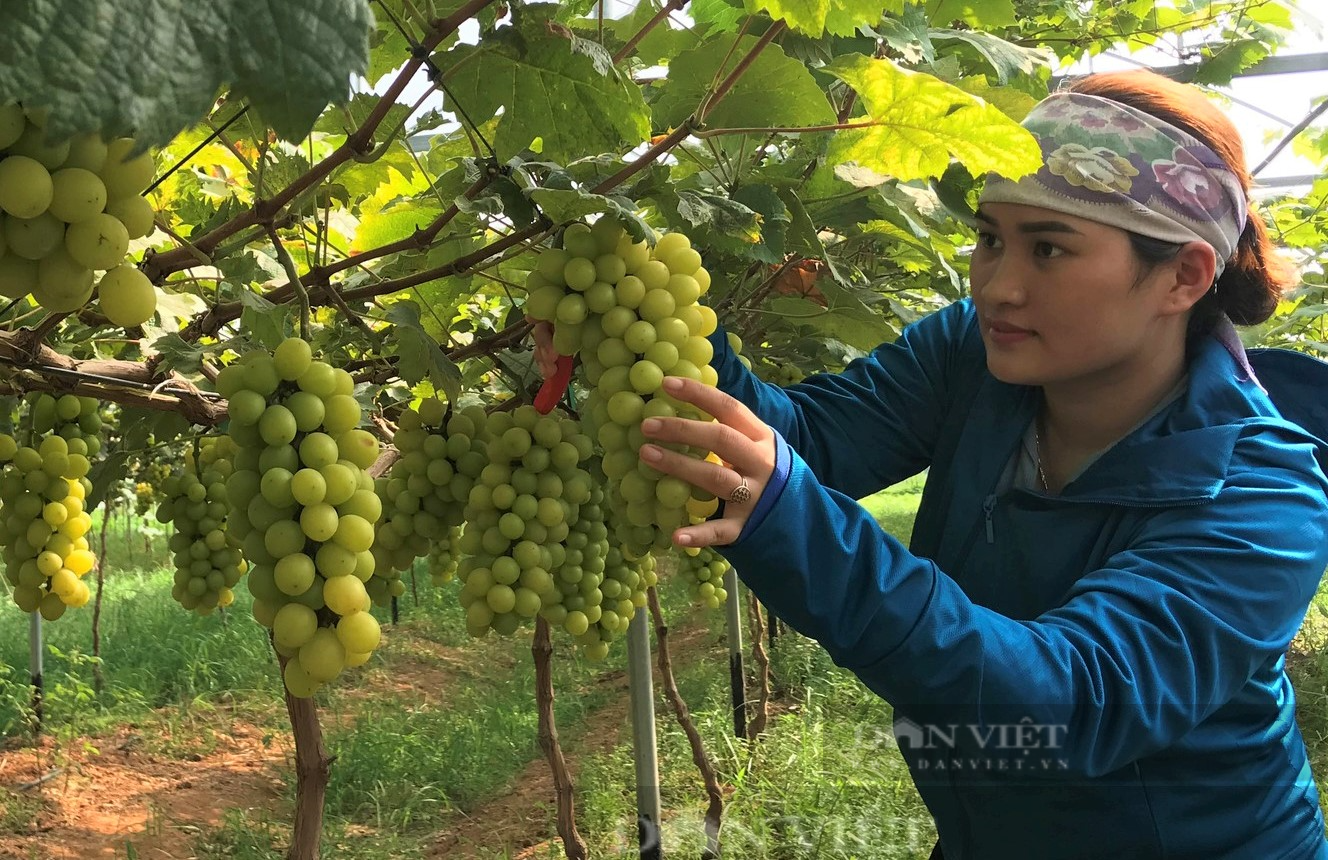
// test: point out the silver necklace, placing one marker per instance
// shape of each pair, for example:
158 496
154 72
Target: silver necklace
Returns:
1037 450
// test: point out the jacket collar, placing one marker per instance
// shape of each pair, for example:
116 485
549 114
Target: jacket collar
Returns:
1182 455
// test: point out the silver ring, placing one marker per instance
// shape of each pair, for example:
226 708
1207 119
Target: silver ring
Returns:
741 493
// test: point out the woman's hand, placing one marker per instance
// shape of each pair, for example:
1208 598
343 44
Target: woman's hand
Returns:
738 437
546 357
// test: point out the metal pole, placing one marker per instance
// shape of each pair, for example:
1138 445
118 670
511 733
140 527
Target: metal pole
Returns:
35 665
737 676
644 747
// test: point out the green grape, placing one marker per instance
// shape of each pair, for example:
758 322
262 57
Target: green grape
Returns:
76 194
98 242
26 189
124 175
34 238
127 297
135 212
703 570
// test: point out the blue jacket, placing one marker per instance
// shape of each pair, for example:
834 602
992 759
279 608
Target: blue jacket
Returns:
1094 674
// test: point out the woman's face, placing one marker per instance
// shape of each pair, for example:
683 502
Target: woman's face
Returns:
1057 299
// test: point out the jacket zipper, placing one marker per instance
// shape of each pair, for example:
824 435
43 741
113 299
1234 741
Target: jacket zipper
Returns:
989 505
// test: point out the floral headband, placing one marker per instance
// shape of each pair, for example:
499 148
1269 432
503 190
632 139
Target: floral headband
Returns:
1110 163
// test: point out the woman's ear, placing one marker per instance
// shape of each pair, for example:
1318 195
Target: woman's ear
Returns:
1195 270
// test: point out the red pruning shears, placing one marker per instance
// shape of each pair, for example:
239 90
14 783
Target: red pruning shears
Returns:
555 386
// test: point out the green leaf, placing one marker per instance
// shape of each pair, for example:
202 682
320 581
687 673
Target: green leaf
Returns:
717 16
907 35
550 86
920 122
814 17
396 221
178 306
263 321
1220 66
979 13
176 353
701 212
802 237
776 90
106 473
353 114
855 325
1012 102
661 44
775 217
418 355
1007 59
562 205
149 68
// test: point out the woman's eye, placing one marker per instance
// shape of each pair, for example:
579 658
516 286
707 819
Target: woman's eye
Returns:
1046 250
988 240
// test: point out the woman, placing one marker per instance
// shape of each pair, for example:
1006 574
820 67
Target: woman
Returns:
1120 532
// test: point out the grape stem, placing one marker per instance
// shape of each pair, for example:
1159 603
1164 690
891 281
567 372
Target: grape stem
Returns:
288 263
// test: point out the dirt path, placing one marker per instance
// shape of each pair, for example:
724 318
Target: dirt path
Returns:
99 804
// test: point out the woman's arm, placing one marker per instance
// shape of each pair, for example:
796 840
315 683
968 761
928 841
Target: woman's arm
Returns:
1141 651
875 423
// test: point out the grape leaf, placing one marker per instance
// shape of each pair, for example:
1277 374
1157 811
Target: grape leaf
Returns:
815 17
907 34
1007 59
853 324
1222 64
149 68
776 90
550 85
563 205
261 320
979 13
418 355
659 45
108 472
919 122
716 16
702 212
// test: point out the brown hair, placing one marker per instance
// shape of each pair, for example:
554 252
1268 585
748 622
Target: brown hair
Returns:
1255 277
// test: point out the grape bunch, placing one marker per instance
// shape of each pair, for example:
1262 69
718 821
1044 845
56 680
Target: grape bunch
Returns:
68 210
424 494
445 556
303 508
703 570
519 513
145 497
587 608
208 561
632 314
782 374
624 592
43 524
